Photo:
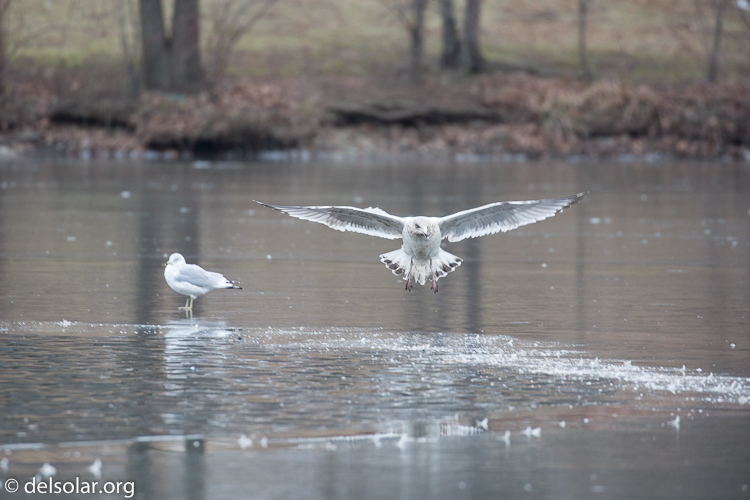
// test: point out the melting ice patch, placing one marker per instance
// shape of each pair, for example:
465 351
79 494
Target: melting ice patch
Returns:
553 360
503 353
575 366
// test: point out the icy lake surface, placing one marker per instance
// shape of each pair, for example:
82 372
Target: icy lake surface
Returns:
603 353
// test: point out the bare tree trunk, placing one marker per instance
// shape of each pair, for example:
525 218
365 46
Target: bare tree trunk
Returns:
4 6
154 45
186 56
170 62
451 47
471 57
713 56
128 41
583 7
745 16
416 41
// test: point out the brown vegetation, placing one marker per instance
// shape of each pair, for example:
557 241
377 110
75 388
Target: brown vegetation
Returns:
560 116
489 115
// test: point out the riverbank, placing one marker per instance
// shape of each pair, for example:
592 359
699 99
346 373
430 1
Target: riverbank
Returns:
508 115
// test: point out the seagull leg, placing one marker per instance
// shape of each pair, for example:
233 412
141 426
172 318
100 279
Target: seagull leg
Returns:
188 305
408 276
433 277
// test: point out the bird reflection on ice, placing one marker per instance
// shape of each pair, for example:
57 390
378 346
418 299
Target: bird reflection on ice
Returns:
195 361
189 329
187 341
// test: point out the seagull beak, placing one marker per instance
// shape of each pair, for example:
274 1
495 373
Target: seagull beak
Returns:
166 264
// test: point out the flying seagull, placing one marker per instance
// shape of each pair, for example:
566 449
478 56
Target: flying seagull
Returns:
192 280
420 257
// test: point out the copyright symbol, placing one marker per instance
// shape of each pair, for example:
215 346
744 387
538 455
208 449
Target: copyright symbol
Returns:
11 485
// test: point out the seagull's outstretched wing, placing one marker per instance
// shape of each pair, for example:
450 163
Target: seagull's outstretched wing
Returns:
502 216
372 221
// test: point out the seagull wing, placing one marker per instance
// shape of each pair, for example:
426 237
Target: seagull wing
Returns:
372 221
502 216
197 276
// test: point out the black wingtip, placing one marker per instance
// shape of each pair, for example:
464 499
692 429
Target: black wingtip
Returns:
274 207
578 197
572 200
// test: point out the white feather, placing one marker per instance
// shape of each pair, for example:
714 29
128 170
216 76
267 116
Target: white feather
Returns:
420 258
370 221
192 280
502 216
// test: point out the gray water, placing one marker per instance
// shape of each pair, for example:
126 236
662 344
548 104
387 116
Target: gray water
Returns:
586 335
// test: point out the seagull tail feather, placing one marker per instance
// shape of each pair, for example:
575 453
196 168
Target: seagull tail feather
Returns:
233 285
398 262
445 262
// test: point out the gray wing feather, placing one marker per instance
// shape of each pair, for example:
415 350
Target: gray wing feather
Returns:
502 216
196 275
371 221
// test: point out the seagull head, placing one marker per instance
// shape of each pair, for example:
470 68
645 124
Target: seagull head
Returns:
422 227
175 259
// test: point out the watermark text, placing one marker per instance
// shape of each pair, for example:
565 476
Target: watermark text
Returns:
69 487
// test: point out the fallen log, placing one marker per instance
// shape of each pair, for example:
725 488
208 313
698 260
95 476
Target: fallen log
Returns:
406 113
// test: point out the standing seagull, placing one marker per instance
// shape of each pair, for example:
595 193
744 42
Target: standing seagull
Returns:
192 280
420 256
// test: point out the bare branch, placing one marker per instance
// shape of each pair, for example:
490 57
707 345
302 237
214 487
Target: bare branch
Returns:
230 21
23 36
401 10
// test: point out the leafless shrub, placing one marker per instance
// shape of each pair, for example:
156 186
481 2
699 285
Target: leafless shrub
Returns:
410 14
229 20
51 25
603 109
706 29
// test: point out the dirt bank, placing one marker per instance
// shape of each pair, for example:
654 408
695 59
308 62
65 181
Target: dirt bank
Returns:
497 115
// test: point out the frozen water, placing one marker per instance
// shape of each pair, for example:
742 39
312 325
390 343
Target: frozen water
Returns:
337 384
